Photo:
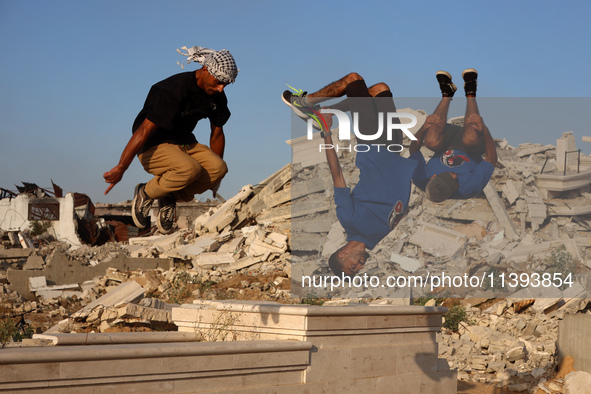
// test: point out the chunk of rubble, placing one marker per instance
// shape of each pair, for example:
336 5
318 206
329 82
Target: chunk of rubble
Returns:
437 240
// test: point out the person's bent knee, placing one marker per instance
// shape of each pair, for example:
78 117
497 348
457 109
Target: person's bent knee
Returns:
353 77
190 170
471 138
220 171
434 143
379 88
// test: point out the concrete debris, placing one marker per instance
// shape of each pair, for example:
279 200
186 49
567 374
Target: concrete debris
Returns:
577 382
101 288
507 347
517 227
437 240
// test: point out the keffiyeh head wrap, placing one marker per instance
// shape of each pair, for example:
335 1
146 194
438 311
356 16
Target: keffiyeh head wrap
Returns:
220 64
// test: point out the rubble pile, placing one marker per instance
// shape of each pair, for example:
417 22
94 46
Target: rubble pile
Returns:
220 256
511 343
514 226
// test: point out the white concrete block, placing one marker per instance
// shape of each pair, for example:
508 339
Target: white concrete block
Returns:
406 263
37 283
438 241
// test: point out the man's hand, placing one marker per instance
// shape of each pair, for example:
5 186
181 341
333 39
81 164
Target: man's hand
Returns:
137 140
434 120
475 121
113 177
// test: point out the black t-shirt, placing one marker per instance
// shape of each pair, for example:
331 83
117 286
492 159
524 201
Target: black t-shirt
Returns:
175 105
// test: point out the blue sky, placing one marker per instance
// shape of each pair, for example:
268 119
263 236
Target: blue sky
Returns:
74 74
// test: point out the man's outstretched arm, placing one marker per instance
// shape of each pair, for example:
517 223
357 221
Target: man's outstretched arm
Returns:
137 140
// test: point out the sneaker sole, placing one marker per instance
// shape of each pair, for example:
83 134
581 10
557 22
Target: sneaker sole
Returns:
303 115
133 214
469 70
443 77
162 231
299 113
445 73
295 109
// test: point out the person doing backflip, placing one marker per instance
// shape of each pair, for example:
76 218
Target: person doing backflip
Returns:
457 169
379 200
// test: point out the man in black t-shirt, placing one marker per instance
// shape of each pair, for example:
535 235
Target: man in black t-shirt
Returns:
164 141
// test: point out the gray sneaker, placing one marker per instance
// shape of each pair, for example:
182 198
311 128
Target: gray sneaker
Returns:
140 207
166 214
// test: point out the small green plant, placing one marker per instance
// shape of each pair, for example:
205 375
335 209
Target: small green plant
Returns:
454 316
38 227
7 330
439 298
562 262
12 329
311 299
221 329
23 333
204 285
180 289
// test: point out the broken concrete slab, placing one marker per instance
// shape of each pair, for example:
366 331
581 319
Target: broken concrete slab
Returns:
225 214
232 246
36 283
534 150
49 293
209 260
279 240
438 241
512 190
16 253
62 271
205 243
320 223
500 212
34 262
266 198
258 248
242 263
135 311
163 240
406 263
125 292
